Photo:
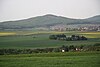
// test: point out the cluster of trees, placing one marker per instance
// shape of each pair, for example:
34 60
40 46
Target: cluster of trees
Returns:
63 37
57 37
95 47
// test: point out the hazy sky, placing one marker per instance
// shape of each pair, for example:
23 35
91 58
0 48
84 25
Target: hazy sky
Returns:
20 9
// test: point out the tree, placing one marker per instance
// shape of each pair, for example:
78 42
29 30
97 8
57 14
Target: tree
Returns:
73 36
72 47
65 48
68 39
97 44
78 37
83 38
53 37
56 50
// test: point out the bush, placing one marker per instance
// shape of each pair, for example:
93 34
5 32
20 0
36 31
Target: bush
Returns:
97 44
63 37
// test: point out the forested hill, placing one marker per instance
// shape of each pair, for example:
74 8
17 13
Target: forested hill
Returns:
47 20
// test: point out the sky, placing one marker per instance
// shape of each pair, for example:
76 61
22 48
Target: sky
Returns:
21 9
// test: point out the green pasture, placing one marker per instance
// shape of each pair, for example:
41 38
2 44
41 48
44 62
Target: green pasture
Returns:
69 59
40 39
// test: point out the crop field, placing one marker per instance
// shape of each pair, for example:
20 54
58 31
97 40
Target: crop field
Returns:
68 59
40 39
6 34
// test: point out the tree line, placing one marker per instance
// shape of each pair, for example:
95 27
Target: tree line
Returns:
71 48
64 37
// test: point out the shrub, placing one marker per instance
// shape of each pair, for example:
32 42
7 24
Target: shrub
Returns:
97 44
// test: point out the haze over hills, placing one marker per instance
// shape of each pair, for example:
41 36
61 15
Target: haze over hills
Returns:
95 19
47 20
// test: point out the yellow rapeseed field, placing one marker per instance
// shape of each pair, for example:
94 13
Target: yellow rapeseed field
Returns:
90 33
6 33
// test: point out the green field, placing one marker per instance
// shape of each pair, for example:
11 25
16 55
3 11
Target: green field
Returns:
29 39
41 39
69 59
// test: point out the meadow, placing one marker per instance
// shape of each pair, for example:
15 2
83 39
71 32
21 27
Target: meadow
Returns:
68 59
40 39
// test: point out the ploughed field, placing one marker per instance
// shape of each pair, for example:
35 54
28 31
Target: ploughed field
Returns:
40 39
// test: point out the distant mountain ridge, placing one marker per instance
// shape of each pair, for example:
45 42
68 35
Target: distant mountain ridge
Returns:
95 19
46 20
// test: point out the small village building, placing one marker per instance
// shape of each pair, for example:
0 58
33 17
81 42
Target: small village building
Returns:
63 50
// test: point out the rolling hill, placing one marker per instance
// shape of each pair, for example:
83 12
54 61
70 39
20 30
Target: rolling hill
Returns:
47 20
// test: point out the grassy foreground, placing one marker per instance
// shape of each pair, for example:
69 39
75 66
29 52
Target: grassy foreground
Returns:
69 59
